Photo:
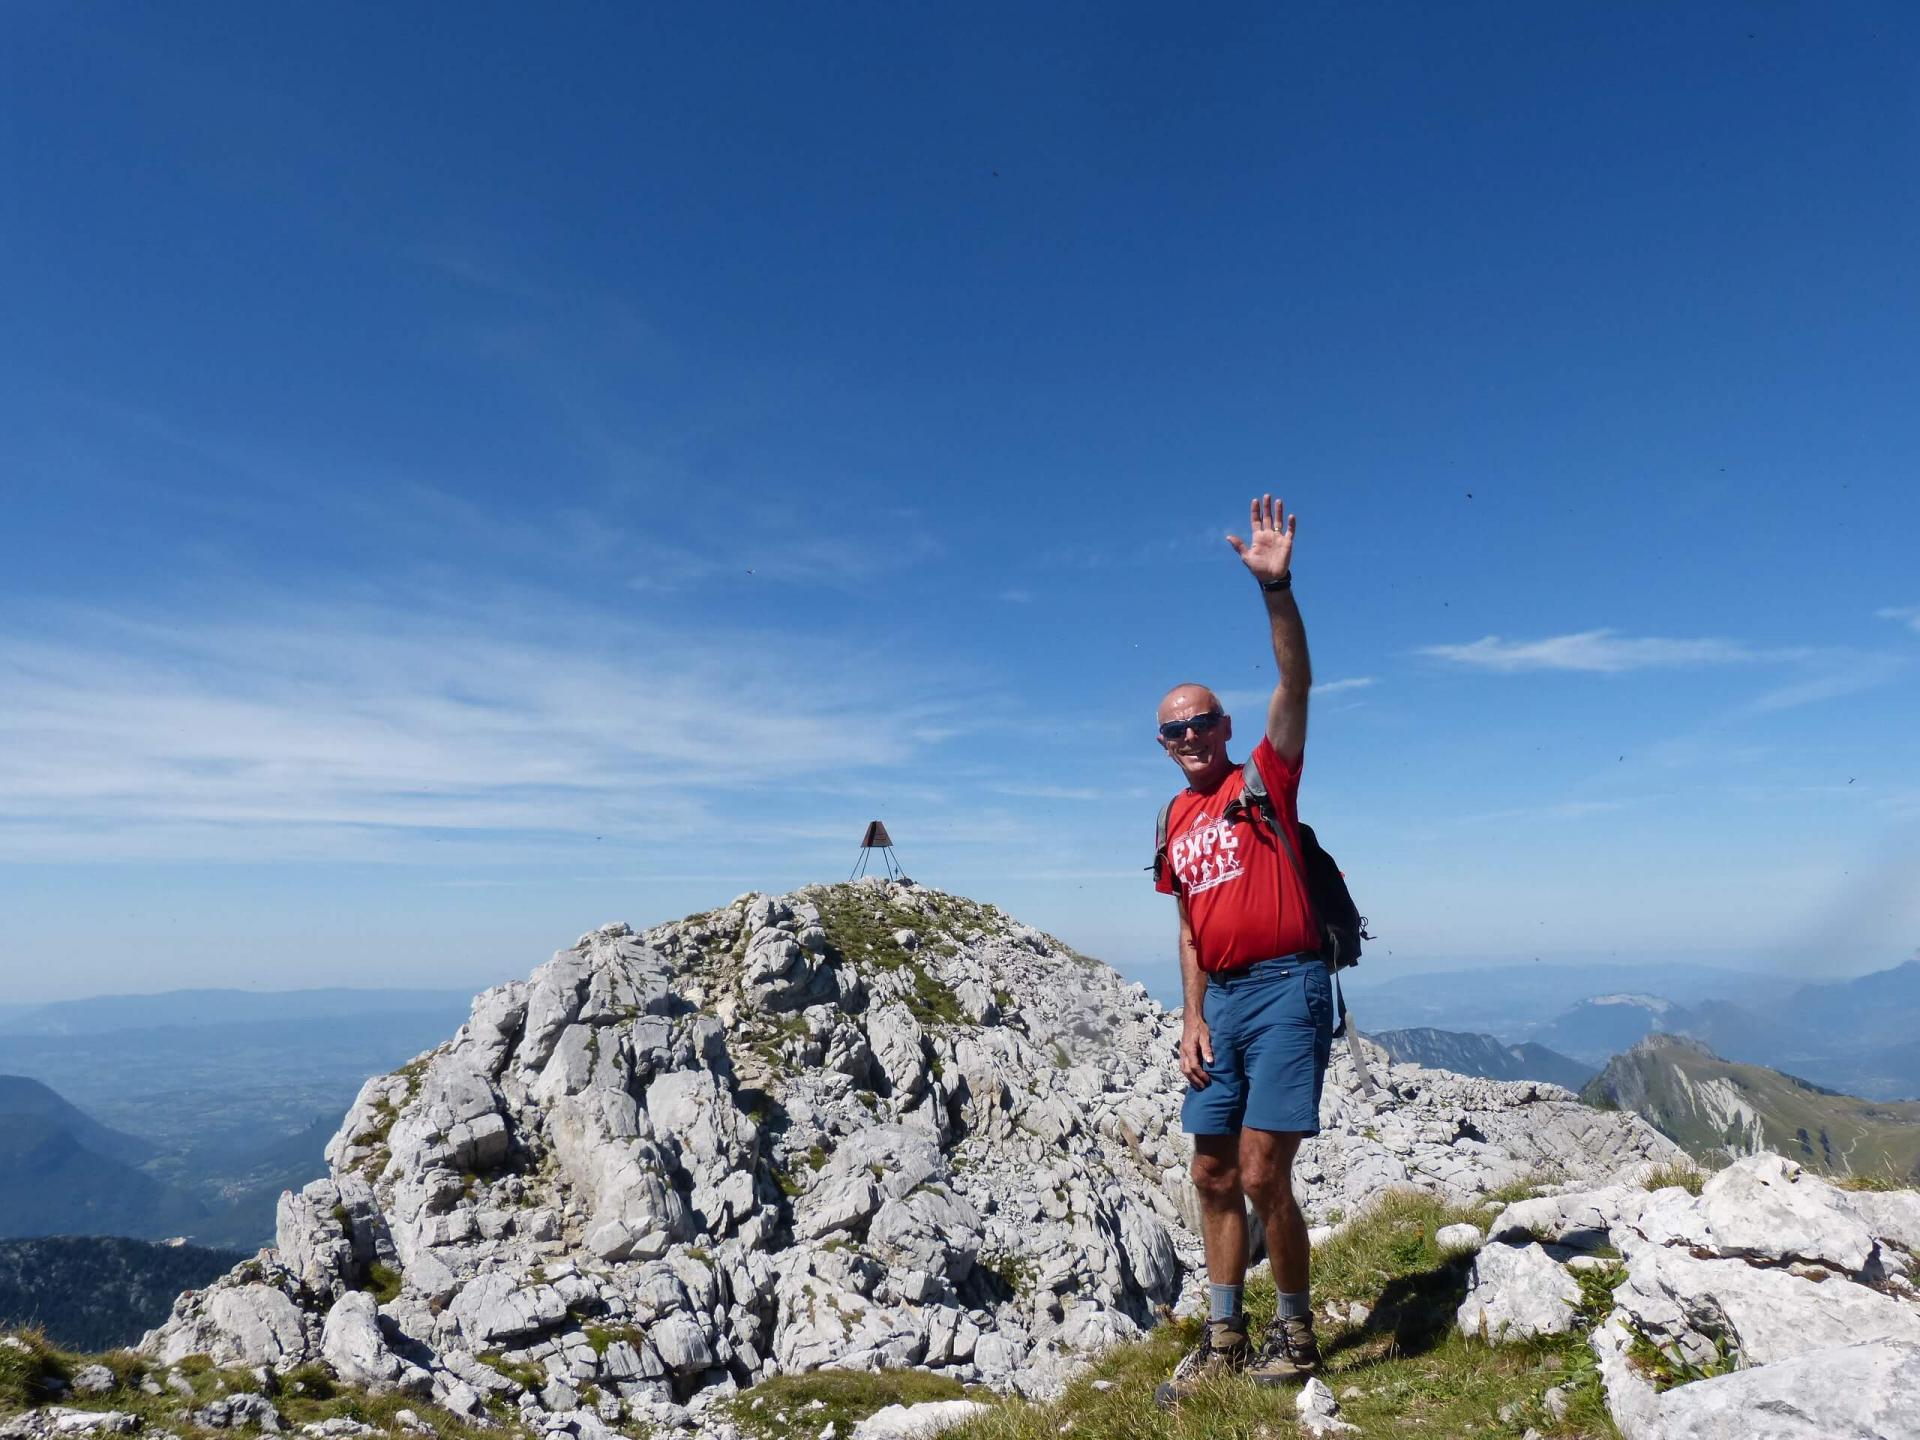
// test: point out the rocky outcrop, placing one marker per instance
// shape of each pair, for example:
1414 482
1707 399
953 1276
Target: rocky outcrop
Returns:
864 1126
1803 1294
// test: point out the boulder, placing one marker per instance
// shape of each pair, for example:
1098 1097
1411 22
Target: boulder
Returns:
1865 1391
1767 1207
918 1422
353 1344
1515 1292
1698 1308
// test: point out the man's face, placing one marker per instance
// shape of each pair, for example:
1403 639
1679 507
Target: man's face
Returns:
1202 758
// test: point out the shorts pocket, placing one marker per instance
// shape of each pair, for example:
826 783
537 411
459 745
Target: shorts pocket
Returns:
1320 997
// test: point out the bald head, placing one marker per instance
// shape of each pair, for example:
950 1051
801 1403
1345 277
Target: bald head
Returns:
1184 701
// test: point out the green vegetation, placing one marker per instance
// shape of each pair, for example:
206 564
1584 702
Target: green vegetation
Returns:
36 1375
860 924
782 1408
604 1337
90 1292
1014 1271
384 1281
526 1376
1683 1173
1875 1182
1402 1372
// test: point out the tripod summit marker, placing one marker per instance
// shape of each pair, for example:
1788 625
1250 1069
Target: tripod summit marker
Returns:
877 838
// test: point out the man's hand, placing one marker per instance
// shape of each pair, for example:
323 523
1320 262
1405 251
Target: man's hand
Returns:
1269 554
1196 1053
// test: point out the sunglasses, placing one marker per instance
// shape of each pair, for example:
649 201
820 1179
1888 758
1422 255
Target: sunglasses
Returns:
1199 724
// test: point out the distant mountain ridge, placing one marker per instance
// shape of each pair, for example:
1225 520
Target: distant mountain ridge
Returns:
1719 1109
1483 1055
105 1014
53 1179
1860 1035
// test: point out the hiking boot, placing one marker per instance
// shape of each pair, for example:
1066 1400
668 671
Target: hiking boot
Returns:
1289 1353
1223 1350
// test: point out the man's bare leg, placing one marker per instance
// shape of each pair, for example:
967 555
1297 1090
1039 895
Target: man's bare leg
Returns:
1266 1173
1223 1347
1223 1206
1290 1351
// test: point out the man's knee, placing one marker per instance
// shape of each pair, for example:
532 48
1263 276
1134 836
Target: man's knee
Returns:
1269 1187
1217 1178
1266 1170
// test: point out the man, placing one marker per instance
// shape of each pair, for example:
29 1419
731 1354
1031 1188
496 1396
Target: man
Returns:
1258 1023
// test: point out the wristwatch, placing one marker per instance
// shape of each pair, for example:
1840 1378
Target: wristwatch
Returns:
1285 582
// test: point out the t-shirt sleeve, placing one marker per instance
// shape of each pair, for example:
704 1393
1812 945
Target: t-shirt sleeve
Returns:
1282 777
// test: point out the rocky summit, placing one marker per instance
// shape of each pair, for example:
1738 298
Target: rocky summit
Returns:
862 1126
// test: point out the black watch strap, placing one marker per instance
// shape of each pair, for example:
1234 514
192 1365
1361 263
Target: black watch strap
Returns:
1285 582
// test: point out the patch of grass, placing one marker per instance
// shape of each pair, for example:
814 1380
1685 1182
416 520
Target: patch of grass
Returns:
303 1396
312 1380
1683 1173
527 1377
1664 1371
31 1376
384 1281
789 1186
1874 1182
816 1157
1411 1374
782 1408
860 927
1512 1193
1016 1272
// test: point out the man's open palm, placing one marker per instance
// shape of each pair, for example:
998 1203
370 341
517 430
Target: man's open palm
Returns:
1270 552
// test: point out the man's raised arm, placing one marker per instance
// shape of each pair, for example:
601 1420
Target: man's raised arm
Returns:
1269 556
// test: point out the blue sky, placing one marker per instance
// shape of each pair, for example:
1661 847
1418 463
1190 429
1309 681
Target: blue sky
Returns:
476 473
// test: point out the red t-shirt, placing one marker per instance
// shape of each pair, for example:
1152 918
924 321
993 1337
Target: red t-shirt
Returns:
1245 899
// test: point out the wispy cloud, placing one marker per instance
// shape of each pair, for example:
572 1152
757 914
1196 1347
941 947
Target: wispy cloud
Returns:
1833 677
1337 687
1598 652
300 734
1908 615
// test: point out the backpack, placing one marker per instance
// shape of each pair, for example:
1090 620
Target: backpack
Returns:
1342 926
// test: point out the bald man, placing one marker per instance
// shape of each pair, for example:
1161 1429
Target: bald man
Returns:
1258 1022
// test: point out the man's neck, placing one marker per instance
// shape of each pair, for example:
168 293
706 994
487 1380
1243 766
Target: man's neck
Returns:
1210 781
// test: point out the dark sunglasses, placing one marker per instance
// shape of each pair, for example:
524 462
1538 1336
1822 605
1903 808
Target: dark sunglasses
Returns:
1199 724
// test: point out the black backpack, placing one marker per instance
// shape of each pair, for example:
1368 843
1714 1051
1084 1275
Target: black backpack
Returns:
1342 926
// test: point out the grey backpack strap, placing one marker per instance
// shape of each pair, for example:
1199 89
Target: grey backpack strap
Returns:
1253 793
1160 844
1361 1074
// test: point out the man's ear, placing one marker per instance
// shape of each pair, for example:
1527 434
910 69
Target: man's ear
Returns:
1226 728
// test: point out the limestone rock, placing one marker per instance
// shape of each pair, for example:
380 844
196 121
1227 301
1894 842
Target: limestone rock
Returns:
236 1412
1866 1391
1459 1238
917 1422
1515 1292
1696 1307
352 1343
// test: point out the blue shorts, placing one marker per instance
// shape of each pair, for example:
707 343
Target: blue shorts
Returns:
1272 1030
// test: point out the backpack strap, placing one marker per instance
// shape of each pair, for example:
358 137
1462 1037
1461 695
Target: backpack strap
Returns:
1159 865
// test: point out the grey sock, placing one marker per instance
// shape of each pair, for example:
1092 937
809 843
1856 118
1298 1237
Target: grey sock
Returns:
1226 1302
1294 1306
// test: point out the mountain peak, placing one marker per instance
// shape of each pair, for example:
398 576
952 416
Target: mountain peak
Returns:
872 1124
